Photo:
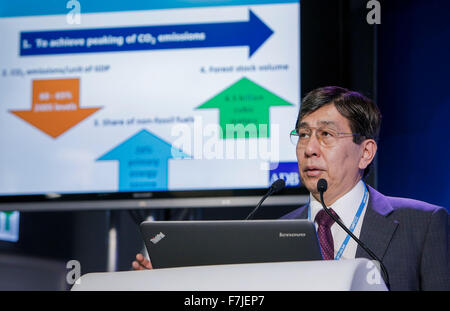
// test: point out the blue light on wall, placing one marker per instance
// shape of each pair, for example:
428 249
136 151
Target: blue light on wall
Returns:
414 67
9 226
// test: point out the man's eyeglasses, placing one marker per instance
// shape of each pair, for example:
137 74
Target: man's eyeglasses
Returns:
326 136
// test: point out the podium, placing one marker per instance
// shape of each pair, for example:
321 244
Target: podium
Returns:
342 275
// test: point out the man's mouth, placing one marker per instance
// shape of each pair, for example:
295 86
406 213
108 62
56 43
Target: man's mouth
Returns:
312 171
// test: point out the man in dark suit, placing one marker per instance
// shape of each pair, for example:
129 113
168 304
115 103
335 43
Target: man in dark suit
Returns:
335 137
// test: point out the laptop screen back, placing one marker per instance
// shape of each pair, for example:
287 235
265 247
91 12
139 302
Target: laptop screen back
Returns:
195 243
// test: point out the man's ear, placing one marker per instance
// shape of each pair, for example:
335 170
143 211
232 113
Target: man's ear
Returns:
368 150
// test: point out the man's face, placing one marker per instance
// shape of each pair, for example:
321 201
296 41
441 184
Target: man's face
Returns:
340 164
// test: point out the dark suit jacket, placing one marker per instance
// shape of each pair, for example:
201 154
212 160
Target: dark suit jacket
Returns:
410 237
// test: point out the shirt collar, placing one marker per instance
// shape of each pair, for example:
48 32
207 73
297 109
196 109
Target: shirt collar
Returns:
346 206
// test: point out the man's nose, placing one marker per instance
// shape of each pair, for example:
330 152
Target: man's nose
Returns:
312 147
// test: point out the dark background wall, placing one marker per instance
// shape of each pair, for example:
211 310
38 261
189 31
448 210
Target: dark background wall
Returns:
401 63
413 79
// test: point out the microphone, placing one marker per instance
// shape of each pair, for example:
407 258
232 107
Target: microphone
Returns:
277 186
322 186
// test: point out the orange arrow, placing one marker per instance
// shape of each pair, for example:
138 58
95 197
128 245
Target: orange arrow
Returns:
55 123
55 107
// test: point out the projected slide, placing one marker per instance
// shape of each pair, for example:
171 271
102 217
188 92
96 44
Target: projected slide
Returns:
173 95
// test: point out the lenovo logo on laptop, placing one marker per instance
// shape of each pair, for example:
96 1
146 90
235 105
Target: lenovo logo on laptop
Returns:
292 235
157 238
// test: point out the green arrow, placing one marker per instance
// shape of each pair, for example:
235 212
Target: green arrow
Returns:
244 109
7 214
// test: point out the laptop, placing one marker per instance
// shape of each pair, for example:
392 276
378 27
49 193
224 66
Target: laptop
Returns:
197 243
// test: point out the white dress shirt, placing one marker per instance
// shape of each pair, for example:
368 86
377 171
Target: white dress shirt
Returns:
346 207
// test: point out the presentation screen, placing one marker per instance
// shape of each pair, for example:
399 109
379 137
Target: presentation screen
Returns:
103 100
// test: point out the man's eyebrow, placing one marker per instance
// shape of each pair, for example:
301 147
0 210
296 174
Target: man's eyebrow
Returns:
303 124
321 123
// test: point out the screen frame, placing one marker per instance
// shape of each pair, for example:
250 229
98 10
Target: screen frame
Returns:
159 199
327 35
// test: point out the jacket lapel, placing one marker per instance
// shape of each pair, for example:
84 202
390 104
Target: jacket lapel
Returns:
377 229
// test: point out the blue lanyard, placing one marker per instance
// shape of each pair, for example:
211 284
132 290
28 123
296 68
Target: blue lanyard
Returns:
354 222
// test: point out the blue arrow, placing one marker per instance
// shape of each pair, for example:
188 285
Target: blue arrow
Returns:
252 33
143 162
